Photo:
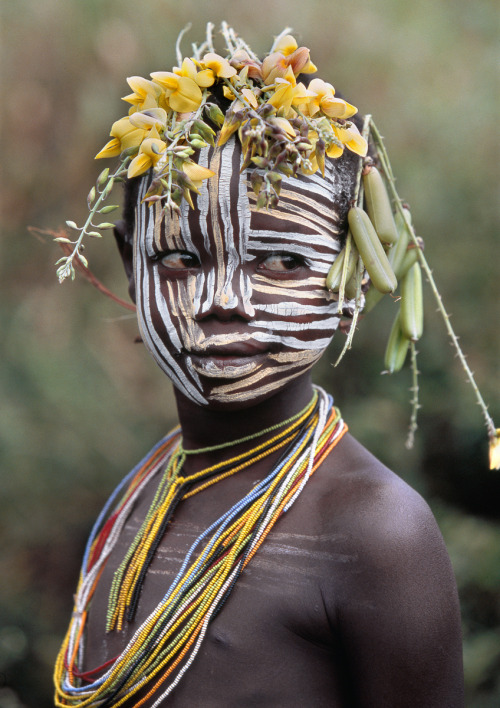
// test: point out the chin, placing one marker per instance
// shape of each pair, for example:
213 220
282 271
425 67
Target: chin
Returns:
231 395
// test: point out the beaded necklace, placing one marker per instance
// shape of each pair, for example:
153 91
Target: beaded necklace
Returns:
167 642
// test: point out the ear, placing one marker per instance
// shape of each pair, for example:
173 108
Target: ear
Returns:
124 241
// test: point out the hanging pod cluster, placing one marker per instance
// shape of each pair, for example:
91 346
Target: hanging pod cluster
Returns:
382 253
379 243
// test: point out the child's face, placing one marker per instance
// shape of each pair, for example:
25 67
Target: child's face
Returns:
232 301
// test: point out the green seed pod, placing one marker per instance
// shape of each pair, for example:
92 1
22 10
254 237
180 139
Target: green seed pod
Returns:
398 251
378 206
397 348
107 189
101 180
372 298
334 276
335 272
215 114
412 309
351 287
199 144
411 257
371 251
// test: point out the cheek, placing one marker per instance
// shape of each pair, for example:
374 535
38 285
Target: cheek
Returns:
301 313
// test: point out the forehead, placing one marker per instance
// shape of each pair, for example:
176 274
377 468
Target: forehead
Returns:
308 215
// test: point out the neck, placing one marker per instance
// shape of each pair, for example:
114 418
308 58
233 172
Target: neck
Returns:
205 427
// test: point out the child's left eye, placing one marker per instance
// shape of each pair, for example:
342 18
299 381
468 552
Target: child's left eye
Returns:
281 262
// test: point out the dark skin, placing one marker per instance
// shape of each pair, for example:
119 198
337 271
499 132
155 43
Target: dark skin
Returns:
351 600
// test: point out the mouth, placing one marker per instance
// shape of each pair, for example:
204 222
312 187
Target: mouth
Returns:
229 361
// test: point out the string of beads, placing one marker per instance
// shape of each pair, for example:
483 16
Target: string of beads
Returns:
165 645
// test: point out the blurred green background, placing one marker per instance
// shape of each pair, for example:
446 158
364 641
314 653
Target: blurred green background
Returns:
81 402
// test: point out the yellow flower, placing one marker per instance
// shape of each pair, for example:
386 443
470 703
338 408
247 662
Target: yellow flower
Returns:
153 117
495 450
203 78
241 60
146 93
288 92
324 99
298 57
125 135
351 138
218 65
283 124
231 123
184 95
197 173
149 153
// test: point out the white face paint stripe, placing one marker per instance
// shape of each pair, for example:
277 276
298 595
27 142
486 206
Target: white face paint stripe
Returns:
313 241
223 396
148 331
294 309
285 291
288 326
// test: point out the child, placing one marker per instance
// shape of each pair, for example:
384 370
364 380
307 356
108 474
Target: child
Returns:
259 555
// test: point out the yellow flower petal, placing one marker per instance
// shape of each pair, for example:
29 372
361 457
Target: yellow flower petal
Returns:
167 79
228 93
309 68
251 98
314 166
227 130
196 172
146 93
152 147
147 119
111 149
334 151
283 124
187 98
337 108
220 66
352 139
140 164
188 69
286 45
205 78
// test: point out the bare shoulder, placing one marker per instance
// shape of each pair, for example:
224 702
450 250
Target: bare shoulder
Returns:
369 501
393 601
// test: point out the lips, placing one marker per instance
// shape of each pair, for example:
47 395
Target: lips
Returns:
233 349
229 361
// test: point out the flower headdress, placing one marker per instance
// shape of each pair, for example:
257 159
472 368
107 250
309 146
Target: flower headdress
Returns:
285 129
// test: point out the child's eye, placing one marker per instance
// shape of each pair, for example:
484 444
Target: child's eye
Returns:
179 260
281 262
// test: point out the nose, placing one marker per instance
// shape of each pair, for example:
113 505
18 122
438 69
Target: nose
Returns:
227 295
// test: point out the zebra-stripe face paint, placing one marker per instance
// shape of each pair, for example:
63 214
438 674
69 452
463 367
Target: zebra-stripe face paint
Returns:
232 301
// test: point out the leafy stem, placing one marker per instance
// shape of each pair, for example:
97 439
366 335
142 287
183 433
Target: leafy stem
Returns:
67 269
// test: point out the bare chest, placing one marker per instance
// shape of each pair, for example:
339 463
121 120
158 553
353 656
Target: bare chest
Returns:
271 641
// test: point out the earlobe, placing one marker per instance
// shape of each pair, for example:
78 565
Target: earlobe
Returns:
124 241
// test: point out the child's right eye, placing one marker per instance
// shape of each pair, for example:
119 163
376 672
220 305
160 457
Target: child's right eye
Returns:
179 260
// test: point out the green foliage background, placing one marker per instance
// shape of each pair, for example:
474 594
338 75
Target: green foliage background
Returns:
81 403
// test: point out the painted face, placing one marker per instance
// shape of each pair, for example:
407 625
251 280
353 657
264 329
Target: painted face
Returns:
232 301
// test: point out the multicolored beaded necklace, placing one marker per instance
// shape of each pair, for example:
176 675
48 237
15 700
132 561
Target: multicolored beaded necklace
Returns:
167 642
